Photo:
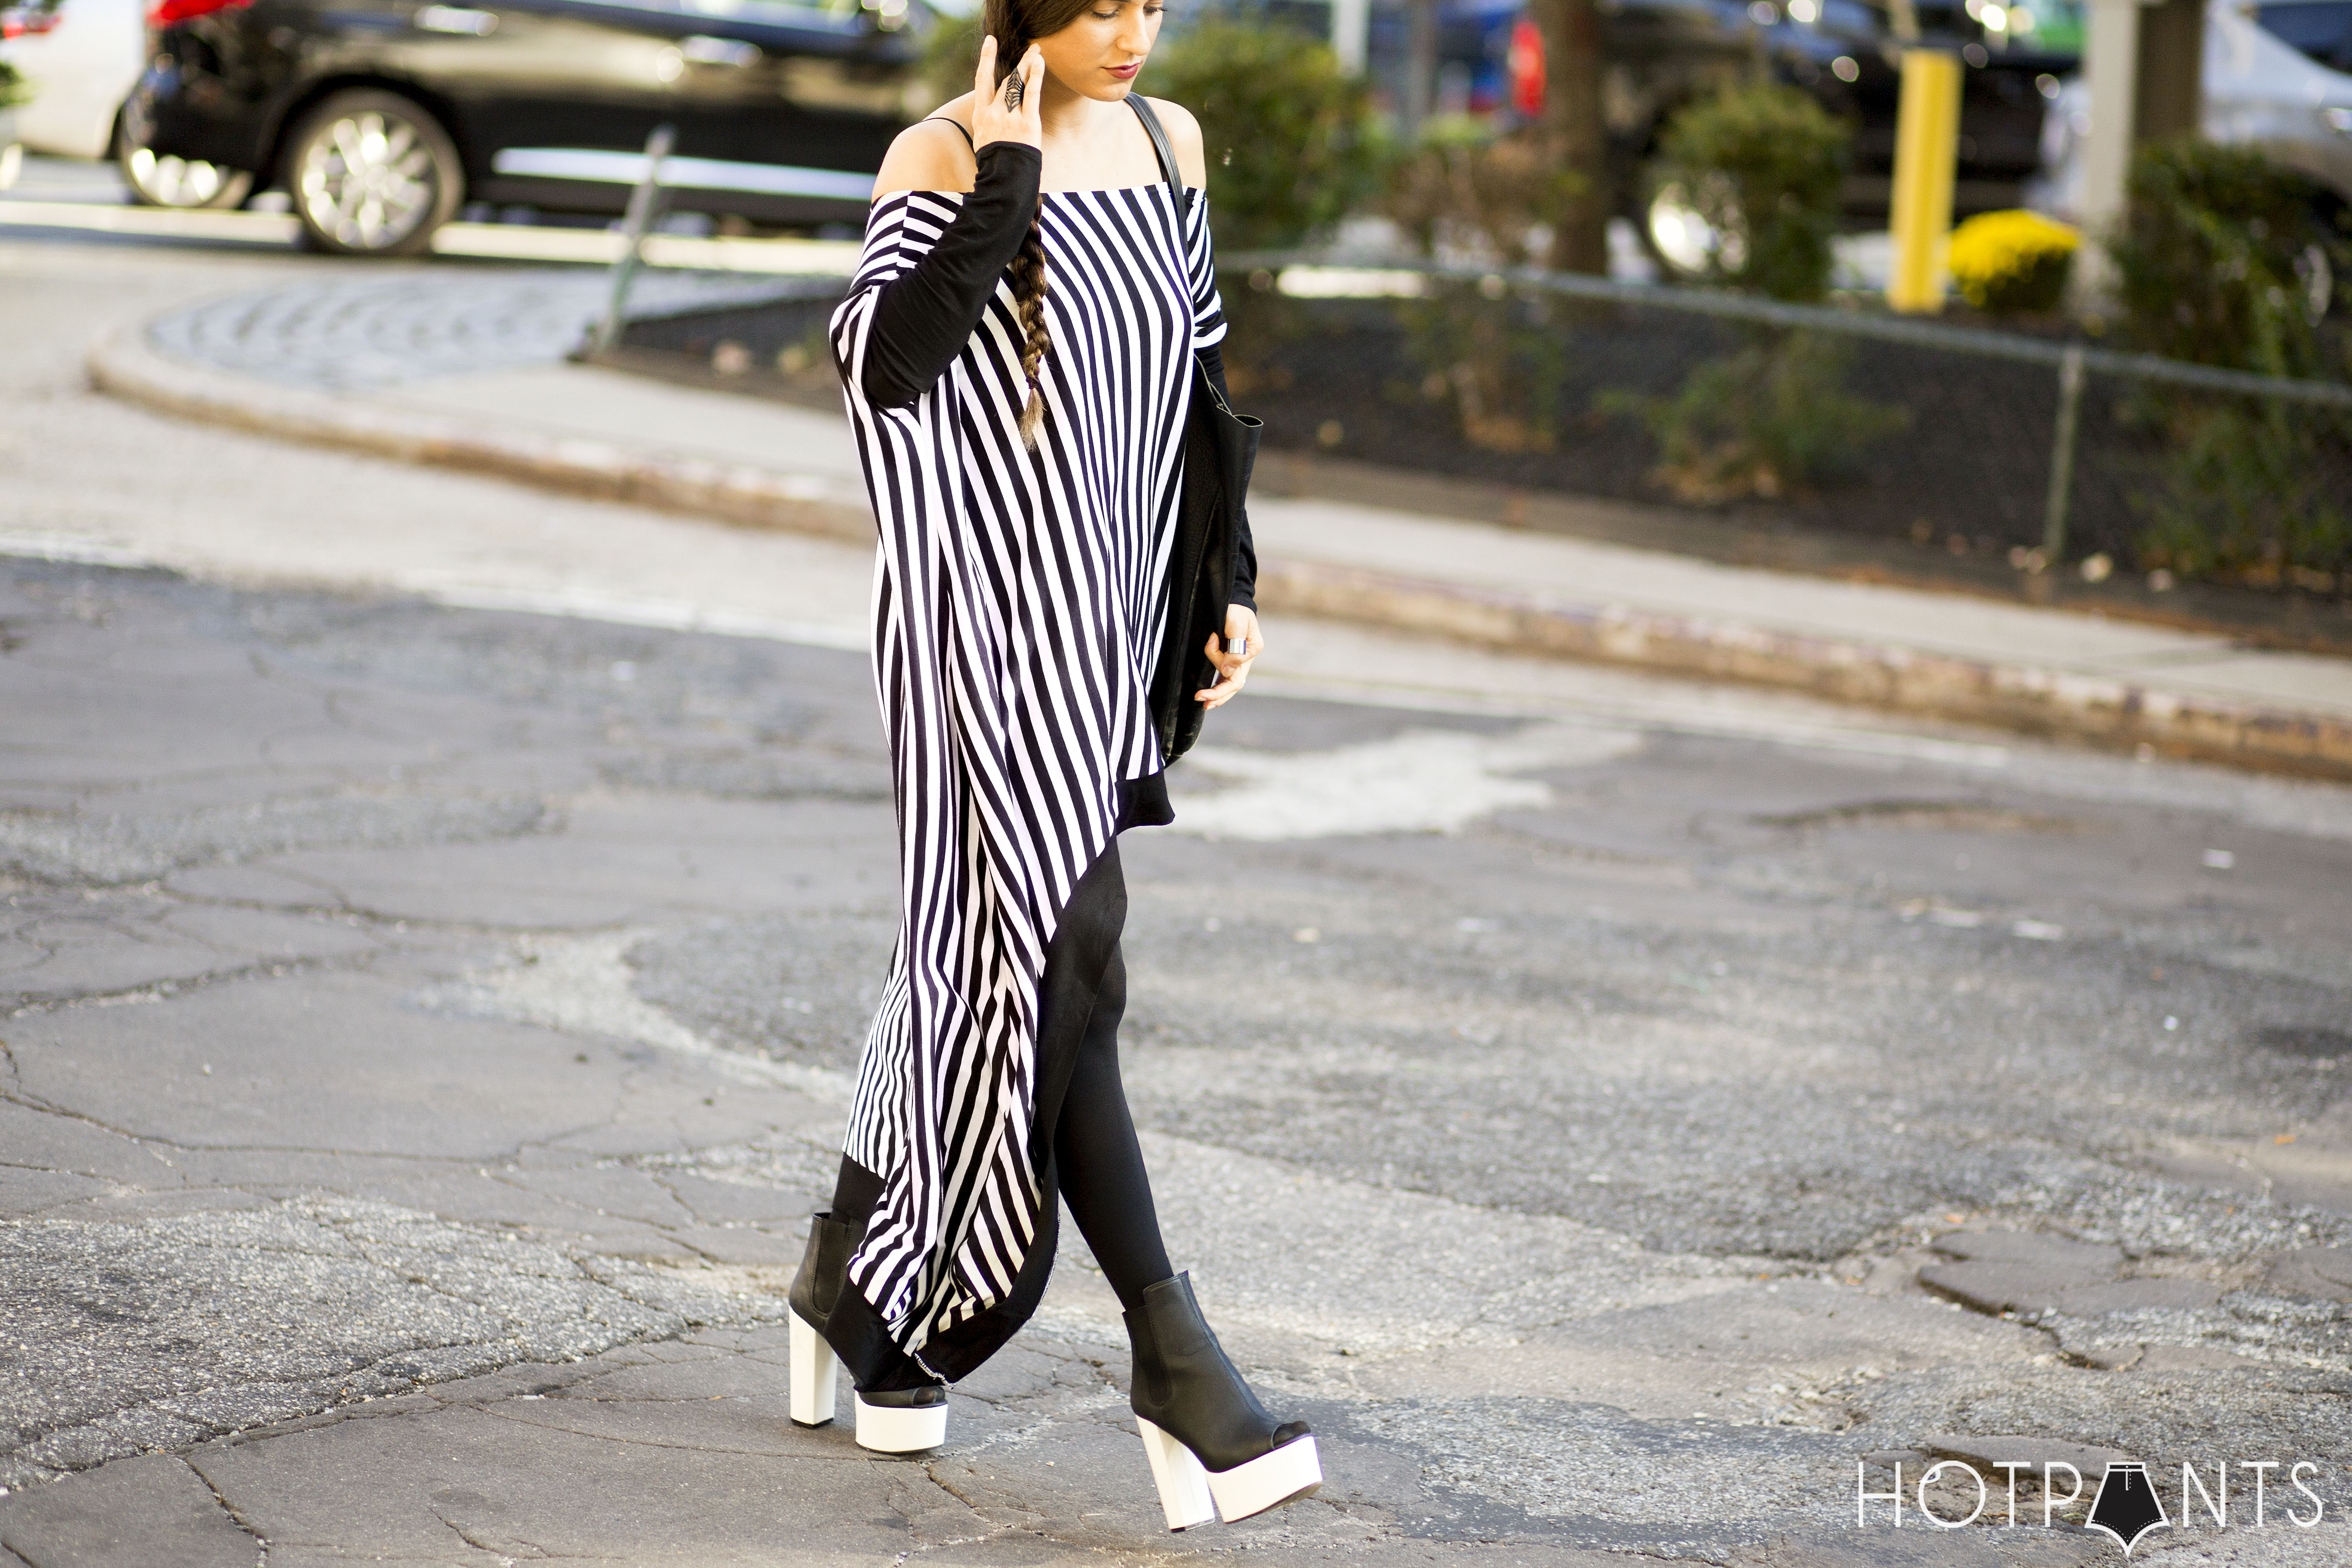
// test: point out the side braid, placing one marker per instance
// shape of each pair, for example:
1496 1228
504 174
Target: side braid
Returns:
1013 24
1029 295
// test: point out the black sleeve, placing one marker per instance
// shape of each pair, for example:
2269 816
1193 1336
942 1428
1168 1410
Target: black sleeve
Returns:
925 316
1244 591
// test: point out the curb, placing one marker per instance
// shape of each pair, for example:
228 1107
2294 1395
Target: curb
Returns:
124 364
2096 710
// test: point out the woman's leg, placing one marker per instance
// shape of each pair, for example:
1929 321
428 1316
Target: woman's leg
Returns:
1099 1161
1214 1447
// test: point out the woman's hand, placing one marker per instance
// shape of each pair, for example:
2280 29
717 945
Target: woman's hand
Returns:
1007 113
1241 645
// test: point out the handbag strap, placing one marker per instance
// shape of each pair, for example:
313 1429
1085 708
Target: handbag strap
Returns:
1175 178
1159 134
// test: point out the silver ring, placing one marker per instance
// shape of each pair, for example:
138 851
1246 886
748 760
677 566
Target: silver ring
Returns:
1012 93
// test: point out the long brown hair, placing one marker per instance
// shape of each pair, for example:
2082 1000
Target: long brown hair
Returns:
1016 25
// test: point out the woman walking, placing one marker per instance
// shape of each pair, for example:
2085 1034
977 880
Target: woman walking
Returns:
1017 353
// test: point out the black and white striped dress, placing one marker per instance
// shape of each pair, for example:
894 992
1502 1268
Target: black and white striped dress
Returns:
1017 616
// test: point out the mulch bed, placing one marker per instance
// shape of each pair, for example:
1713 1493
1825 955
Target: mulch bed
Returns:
1346 406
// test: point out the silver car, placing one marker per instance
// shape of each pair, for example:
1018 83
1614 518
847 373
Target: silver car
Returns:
82 59
2278 75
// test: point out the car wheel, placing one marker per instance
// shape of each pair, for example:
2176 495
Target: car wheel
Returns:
180 182
160 182
372 173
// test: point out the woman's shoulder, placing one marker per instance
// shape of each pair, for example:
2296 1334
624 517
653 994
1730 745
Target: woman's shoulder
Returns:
934 153
1184 138
1174 116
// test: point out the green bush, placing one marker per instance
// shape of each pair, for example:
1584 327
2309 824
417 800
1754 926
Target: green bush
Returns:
14 88
1288 133
1498 360
2247 491
1464 188
2224 258
1772 420
1761 162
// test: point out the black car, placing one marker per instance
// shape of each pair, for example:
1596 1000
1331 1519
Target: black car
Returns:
1660 54
381 118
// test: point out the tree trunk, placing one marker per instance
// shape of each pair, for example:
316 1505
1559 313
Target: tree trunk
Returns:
1420 68
1575 132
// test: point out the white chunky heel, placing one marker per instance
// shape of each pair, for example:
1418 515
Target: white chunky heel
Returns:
900 1429
1190 1493
1184 1378
1183 1484
813 1368
1293 1470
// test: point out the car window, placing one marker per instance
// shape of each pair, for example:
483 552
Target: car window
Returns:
2322 30
840 16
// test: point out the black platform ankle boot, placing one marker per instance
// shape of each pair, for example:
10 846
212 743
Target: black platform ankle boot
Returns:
902 1419
1214 1451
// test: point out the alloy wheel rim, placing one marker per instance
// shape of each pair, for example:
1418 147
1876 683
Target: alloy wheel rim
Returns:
368 181
177 182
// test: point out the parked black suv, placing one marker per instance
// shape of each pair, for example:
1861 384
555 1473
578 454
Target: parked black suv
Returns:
383 117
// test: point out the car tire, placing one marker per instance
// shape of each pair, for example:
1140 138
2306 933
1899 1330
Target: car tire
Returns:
187 184
372 173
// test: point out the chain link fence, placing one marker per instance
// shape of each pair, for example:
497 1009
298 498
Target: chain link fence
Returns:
2041 449
2037 451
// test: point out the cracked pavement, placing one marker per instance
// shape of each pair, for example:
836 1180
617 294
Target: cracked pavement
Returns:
427 1029
423 1031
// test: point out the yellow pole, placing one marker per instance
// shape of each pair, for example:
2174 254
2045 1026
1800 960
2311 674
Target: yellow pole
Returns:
1926 155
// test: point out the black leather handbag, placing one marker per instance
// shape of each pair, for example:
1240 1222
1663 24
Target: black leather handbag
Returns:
1211 519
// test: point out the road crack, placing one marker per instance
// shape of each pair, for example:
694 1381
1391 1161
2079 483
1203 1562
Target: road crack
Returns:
235 1515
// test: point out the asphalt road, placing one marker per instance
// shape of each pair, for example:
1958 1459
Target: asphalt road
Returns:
425 1029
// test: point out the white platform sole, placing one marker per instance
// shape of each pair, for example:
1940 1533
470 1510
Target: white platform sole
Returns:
892 1429
1191 1494
886 1429
813 1368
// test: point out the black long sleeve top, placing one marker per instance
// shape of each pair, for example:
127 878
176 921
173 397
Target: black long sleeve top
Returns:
925 316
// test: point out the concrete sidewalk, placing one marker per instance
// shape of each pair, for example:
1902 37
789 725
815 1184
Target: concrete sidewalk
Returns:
2108 682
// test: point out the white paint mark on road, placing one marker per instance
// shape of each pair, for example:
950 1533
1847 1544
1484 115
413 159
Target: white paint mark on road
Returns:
1424 781
580 985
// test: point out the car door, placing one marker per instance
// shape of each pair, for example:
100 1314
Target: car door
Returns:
784 106
538 73
782 110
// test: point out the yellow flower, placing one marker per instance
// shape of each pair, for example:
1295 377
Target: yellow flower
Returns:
2013 260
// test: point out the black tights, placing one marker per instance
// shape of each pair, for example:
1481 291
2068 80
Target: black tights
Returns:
1101 1163
1096 1152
